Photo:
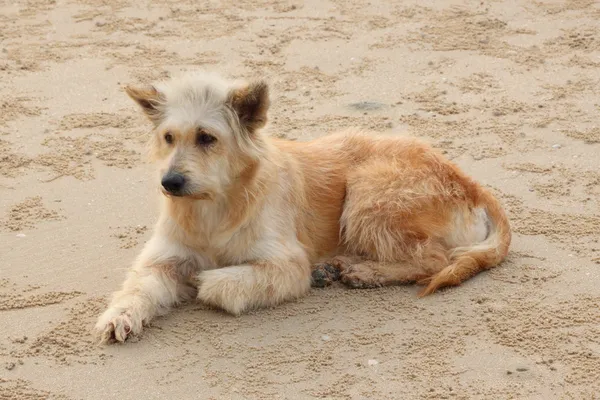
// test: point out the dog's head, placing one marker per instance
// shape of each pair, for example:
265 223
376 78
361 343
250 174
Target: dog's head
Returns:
206 132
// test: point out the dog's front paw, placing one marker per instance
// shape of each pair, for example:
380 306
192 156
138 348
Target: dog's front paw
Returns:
229 288
112 328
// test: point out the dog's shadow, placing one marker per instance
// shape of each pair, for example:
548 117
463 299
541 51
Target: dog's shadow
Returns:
334 305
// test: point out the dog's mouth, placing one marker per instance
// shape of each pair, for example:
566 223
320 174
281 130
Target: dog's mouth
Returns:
186 195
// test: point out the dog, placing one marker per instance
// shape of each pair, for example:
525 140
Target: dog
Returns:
249 221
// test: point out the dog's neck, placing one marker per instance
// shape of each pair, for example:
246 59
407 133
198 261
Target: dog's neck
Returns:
207 225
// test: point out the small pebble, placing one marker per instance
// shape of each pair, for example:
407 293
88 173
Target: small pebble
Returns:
522 369
21 235
372 362
556 146
325 338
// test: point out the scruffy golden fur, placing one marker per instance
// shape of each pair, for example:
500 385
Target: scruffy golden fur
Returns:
247 220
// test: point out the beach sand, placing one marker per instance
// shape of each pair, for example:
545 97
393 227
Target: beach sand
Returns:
509 90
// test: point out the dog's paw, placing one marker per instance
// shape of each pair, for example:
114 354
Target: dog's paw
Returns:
229 289
324 274
110 328
360 277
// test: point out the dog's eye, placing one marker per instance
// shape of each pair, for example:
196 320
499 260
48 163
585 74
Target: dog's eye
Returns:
204 139
168 138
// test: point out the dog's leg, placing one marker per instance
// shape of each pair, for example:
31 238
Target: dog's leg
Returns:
263 284
358 273
422 261
370 274
158 280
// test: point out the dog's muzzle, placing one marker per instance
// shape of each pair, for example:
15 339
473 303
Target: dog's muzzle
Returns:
173 183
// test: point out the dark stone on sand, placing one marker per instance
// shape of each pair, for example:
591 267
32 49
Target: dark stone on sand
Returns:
367 106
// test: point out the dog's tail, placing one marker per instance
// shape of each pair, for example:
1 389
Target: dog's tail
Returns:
468 261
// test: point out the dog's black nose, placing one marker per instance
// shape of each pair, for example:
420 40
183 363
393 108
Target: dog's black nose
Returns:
173 182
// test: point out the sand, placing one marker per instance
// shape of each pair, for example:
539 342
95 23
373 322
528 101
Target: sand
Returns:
509 90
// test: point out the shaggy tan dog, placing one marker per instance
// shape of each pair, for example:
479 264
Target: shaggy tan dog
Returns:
245 217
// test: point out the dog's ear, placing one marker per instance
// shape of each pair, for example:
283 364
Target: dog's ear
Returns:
251 103
149 98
